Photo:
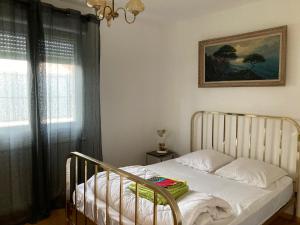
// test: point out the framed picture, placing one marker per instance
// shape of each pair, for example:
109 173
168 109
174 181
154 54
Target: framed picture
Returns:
251 59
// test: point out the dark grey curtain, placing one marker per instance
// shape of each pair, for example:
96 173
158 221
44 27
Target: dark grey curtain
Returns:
49 103
15 130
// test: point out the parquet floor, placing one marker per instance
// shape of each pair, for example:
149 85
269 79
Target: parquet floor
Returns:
58 218
282 221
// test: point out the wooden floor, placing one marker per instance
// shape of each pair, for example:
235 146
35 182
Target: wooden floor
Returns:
282 221
58 218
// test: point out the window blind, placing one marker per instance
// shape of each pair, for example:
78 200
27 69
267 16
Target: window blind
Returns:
12 46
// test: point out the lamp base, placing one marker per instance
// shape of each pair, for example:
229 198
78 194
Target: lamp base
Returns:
162 151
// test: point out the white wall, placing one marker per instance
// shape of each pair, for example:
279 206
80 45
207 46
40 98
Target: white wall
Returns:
182 97
149 76
131 70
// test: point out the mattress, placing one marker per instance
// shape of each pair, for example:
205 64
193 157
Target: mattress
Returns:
251 205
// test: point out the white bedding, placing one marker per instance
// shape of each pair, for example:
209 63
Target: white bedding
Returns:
191 205
250 205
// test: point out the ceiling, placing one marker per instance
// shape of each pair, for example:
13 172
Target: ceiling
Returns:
180 9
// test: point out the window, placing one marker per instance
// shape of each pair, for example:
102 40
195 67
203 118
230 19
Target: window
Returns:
14 92
15 98
60 79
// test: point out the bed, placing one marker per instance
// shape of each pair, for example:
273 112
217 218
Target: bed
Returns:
102 199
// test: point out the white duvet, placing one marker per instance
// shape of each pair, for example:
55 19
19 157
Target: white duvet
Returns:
192 205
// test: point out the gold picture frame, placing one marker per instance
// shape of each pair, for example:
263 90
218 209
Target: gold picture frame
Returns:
245 60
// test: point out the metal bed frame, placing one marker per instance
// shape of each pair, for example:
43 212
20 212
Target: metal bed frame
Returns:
233 125
209 122
70 207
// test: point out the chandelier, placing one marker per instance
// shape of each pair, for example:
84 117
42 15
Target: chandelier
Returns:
106 9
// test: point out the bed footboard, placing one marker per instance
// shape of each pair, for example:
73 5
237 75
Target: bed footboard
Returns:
75 217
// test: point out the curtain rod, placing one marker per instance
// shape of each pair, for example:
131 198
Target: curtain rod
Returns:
67 11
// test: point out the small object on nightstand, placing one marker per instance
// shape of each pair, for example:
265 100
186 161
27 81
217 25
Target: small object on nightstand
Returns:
155 157
162 147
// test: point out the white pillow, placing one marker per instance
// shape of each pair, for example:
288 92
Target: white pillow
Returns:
252 172
205 160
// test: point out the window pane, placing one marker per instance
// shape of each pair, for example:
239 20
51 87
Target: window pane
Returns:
14 93
61 92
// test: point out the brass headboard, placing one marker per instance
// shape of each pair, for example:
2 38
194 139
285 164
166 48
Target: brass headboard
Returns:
272 139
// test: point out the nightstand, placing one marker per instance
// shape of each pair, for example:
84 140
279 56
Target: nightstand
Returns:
155 157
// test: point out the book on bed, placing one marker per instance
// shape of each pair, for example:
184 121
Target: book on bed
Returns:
174 187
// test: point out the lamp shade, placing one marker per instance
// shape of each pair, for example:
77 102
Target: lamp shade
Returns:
96 3
135 7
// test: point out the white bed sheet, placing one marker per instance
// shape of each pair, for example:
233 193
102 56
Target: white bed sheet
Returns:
251 205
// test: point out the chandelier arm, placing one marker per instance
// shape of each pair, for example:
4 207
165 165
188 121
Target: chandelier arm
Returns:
104 12
113 6
125 15
99 16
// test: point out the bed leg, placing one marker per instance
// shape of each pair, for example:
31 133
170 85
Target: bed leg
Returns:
294 218
294 215
69 214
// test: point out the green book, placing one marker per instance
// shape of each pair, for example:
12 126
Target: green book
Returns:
175 188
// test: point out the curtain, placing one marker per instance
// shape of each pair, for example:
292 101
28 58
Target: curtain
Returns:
49 103
15 129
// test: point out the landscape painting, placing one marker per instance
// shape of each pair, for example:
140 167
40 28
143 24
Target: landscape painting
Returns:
252 59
